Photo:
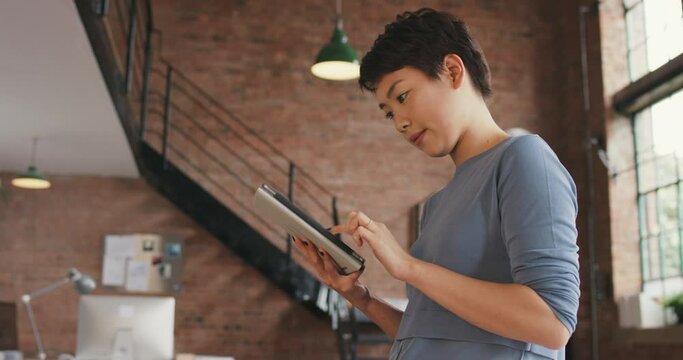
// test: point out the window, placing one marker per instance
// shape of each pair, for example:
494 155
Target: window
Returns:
654 33
658 137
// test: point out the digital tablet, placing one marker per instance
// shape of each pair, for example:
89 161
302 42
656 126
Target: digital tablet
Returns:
283 212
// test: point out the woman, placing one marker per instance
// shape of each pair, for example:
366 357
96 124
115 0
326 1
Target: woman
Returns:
494 272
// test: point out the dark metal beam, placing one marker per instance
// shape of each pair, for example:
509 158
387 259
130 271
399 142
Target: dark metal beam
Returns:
132 29
651 88
167 114
99 41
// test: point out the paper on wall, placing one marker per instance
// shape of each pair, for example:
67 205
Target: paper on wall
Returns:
114 270
119 245
137 275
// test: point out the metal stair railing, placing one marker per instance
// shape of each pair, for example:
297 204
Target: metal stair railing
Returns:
211 144
198 134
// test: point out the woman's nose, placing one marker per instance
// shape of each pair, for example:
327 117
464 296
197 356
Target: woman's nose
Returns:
401 122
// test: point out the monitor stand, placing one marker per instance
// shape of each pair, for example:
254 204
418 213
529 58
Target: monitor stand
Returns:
123 345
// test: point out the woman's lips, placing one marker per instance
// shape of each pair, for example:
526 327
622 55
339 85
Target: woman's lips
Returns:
418 139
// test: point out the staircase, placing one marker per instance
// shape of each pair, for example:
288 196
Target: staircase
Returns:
204 159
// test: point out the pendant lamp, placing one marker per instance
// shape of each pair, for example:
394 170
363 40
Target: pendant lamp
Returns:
337 60
32 179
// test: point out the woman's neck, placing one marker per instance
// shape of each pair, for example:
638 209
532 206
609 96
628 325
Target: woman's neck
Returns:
481 135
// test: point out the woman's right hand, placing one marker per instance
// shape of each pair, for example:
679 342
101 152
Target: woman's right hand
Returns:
346 285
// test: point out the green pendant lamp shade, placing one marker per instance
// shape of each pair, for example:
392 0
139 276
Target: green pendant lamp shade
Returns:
32 179
337 60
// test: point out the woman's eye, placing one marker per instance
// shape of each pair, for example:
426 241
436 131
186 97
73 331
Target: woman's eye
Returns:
389 116
402 98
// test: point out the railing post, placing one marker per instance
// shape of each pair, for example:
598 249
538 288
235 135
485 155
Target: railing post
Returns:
132 14
167 113
145 84
290 195
335 214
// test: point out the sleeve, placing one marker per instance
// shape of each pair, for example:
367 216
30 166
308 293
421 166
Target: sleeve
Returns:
538 209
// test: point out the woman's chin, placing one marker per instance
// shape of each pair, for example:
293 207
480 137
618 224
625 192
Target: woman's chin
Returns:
435 153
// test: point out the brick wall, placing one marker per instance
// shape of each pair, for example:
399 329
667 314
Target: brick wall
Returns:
226 307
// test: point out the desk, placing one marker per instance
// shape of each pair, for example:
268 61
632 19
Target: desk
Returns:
17 355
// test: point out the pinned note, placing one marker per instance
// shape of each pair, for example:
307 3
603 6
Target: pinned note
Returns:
137 275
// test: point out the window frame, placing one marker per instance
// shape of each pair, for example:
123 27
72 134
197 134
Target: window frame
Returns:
645 236
642 93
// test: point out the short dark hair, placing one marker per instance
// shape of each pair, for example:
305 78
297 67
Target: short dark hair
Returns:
421 40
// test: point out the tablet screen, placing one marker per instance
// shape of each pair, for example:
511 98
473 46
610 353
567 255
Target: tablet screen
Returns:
335 239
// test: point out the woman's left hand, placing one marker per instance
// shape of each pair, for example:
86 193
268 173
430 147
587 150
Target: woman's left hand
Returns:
389 252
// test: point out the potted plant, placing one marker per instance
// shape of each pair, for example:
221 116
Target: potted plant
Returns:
676 303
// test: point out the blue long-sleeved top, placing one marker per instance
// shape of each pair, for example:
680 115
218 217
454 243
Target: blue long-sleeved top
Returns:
507 216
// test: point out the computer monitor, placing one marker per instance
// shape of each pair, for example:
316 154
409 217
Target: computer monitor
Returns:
125 325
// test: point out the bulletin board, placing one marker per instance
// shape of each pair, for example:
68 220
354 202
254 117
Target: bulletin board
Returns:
143 263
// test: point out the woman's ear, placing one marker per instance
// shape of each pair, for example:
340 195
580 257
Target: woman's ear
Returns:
454 70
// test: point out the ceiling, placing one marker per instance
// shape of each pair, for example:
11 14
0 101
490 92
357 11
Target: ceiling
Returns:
51 88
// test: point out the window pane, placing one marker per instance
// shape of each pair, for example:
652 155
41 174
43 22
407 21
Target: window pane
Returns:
671 253
667 128
680 206
645 260
635 18
643 129
667 124
667 199
677 103
659 149
651 214
662 26
666 170
637 61
653 257
654 32
647 174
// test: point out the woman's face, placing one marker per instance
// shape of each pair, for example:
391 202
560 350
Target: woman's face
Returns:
424 111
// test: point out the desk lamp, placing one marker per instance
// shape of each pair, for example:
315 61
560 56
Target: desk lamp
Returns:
82 283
